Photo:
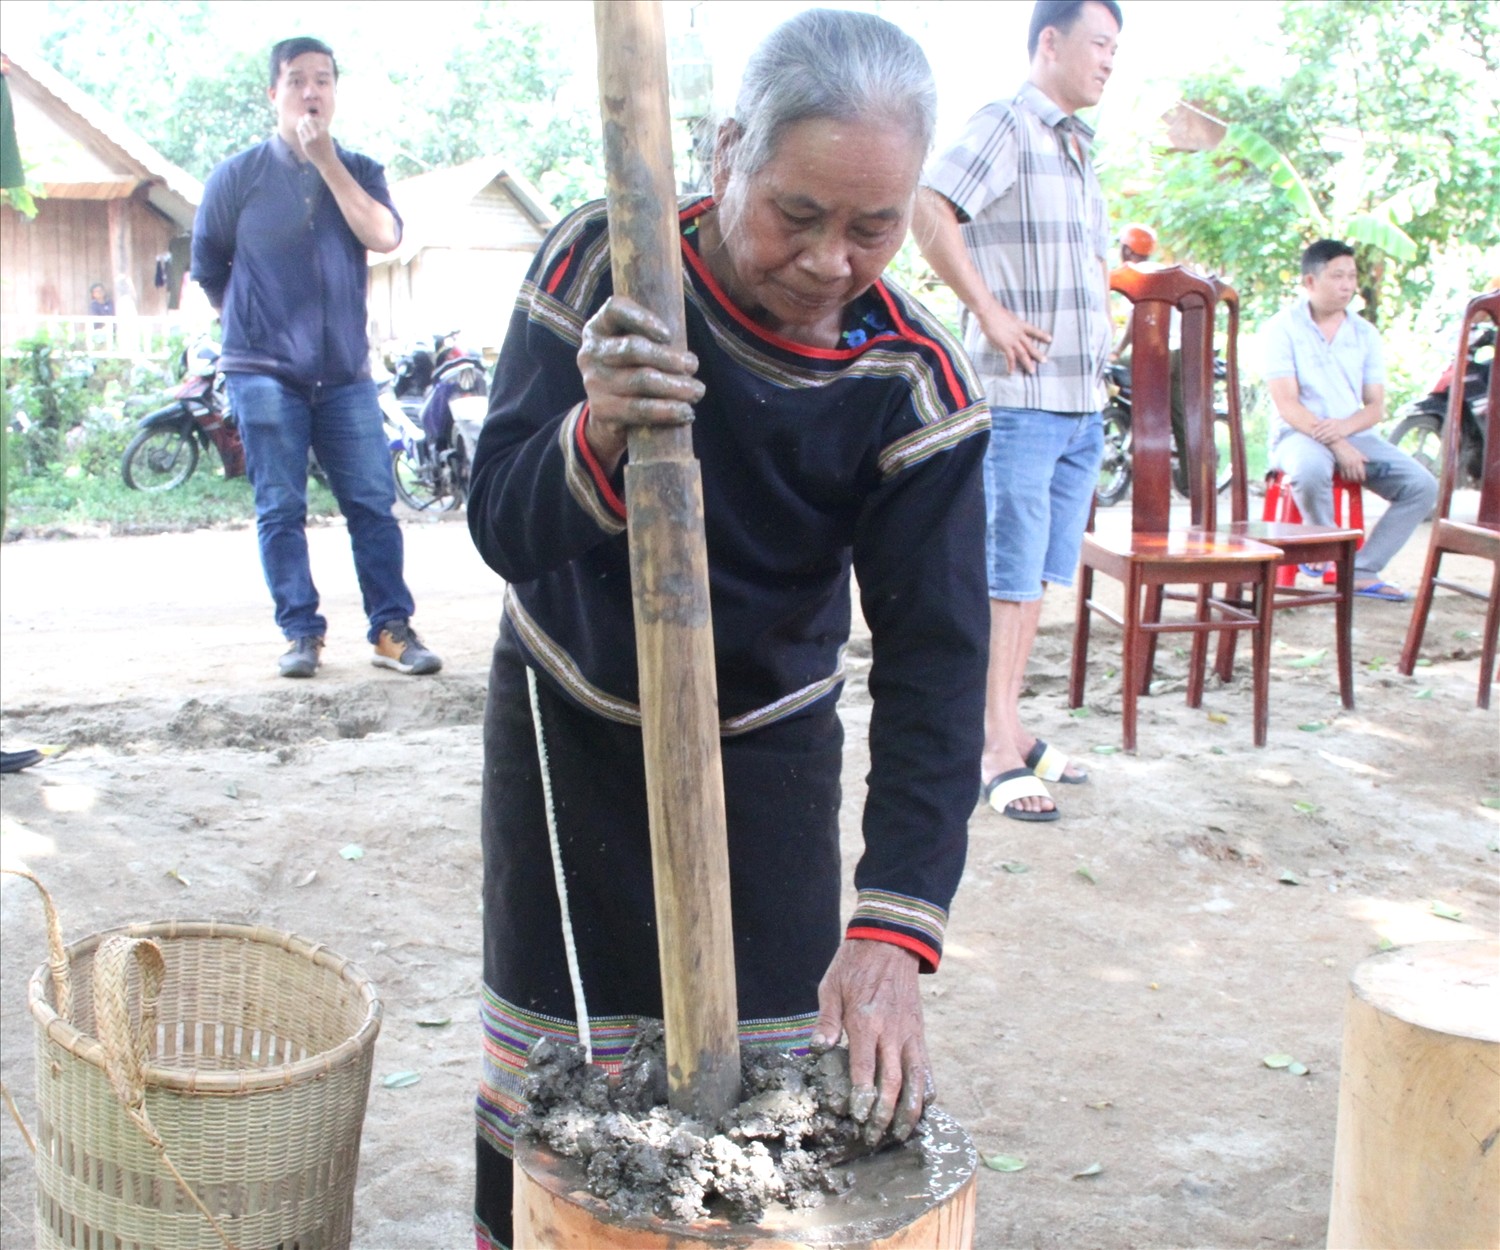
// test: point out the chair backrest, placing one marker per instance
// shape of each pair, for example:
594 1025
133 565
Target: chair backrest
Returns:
1479 308
1154 294
1239 499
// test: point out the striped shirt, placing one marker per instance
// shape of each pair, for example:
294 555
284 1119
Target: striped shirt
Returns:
1033 220
1331 376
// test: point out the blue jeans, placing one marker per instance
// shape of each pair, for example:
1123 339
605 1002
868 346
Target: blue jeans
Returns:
278 423
1039 478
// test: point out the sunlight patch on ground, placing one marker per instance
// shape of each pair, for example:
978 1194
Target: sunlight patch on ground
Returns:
18 844
1402 922
1358 767
1356 725
70 797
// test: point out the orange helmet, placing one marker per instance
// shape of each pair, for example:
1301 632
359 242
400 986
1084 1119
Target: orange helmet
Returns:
1139 239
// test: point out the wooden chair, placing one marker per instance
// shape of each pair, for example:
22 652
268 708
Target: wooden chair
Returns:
1478 538
1154 555
1298 542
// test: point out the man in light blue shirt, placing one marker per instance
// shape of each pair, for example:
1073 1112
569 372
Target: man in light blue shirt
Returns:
1328 384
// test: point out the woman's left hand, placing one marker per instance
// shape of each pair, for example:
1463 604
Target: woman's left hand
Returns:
870 993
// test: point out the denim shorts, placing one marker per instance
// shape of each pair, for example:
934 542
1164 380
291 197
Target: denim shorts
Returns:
1039 479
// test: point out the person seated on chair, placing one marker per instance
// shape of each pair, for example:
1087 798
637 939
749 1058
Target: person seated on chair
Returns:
1328 385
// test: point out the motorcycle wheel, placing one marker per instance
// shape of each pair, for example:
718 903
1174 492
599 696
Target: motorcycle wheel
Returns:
1420 436
1114 469
159 458
418 486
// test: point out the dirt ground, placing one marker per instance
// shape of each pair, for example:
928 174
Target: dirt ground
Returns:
1112 981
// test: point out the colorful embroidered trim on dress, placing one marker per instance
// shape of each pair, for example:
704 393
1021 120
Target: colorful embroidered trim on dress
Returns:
885 911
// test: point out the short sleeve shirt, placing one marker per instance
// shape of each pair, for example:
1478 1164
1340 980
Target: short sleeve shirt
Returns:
1331 376
1034 223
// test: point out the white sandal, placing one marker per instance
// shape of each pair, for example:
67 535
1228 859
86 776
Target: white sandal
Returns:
1019 783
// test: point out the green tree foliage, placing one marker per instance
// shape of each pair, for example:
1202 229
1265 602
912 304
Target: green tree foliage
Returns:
191 78
1382 129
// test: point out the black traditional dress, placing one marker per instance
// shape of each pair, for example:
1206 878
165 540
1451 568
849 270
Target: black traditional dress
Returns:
814 461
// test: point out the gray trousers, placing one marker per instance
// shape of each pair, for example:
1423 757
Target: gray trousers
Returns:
1393 475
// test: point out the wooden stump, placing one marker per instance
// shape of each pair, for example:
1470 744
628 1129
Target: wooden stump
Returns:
899 1201
1417 1160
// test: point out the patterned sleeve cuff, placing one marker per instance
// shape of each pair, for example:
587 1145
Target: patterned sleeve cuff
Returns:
587 481
913 923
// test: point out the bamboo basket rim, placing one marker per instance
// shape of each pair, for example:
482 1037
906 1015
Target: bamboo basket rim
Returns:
225 1084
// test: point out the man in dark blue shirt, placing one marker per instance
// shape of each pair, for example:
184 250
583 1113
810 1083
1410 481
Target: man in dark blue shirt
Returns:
280 246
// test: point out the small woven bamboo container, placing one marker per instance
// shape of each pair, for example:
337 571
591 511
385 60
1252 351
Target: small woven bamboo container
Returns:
199 1086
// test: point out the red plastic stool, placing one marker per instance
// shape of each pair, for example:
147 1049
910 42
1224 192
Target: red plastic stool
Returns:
1281 506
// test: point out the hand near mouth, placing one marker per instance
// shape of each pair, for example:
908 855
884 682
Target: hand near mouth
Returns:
316 139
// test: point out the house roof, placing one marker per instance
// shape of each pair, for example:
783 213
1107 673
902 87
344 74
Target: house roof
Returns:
430 202
80 150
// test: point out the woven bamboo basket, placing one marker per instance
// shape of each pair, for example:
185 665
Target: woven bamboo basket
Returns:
200 1086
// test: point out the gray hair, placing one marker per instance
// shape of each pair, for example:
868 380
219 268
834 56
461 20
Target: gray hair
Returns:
831 63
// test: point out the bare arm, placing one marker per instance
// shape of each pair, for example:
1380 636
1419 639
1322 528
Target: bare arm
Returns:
373 223
935 227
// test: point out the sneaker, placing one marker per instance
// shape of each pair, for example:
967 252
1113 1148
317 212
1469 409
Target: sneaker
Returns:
302 657
400 648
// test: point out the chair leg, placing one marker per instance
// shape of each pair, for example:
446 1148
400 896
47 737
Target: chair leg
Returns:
1079 669
1154 596
1487 647
1343 625
1132 659
1198 660
1224 663
1420 608
1266 612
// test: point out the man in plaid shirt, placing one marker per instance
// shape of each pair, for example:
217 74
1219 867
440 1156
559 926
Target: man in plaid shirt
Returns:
1012 218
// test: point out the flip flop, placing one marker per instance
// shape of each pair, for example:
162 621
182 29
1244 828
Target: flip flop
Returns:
1313 570
1383 590
1050 764
1019 783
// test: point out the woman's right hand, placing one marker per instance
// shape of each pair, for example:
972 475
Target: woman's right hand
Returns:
632 376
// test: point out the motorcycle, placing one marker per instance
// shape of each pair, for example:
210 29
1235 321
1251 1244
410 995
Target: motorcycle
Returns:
1114 469
433 441
1419 425
164 452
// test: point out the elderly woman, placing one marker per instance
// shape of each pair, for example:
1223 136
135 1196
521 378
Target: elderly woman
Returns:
838 426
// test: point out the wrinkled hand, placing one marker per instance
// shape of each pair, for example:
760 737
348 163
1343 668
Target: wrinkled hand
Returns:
1349 459
1023 344
870 993
632 376
316 140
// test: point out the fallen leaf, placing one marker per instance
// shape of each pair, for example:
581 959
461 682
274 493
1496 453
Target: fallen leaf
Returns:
435 1023
1015 866
232 790
1385 944
1288 878
1311 660
1297 1069
1278 1061
1464 634
178 877
1105 748
1376 662
353 851
1110 672
312 875
1099 1106
1078 713
1422 662
1093 1169
1086 873
1307 809
1489 802
1004 1163
1216 750
1312 726
400 1080
1424 693
1446 912
1218 718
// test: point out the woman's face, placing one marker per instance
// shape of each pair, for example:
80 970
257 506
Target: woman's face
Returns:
816 225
